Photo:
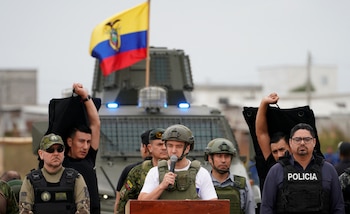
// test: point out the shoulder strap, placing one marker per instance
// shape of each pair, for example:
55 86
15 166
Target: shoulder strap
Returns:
162 168
37 179
284 161
239 181
194 168
319 160
196 164
68 177
147 164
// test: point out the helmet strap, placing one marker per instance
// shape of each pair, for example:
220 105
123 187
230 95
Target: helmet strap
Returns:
220 171
183 152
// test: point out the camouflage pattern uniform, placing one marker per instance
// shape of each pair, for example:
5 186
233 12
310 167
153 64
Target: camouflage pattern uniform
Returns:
133 184
344 179
7 197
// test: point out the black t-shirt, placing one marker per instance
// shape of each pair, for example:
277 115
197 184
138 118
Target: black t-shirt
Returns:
263 166
86 167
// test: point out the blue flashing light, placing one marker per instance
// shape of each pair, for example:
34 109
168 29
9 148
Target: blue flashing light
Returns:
112 105
183 105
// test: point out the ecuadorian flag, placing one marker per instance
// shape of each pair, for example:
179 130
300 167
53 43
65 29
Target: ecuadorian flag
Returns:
121 40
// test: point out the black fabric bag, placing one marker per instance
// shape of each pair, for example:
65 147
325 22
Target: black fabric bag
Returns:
281 120
67 113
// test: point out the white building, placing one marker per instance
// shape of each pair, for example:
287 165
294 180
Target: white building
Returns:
330 108
288 78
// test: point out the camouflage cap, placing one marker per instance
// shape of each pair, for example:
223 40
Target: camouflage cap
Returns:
156 134
48 140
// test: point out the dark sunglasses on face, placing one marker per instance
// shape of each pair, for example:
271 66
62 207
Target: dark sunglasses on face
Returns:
52 149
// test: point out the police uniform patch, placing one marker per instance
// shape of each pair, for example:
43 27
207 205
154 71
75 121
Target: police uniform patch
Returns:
23 194
60 196
45 196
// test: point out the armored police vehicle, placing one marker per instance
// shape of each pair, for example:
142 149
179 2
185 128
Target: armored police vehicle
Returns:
130 106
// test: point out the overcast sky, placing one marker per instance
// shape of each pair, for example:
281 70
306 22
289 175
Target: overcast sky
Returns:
227 40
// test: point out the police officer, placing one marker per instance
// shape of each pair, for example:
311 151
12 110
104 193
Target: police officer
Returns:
220 153
303 183
136 177
8 203
53 189
188 181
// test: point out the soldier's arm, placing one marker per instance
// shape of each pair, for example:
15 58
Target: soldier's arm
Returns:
81 196
93 116
8 203
130 188
26 197
117 200
261 128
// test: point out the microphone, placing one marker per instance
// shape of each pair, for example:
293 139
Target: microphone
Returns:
173 160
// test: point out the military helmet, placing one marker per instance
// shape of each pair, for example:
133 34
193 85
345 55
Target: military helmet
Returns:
219 146
180 133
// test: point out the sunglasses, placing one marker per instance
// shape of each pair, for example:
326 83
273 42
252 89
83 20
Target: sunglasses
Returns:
52 150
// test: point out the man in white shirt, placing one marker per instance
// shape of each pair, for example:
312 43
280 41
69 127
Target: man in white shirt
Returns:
178 178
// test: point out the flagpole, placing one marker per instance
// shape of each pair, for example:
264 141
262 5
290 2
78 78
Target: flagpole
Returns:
147 49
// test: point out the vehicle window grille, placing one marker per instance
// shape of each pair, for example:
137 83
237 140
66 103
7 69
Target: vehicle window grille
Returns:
160 70
121 136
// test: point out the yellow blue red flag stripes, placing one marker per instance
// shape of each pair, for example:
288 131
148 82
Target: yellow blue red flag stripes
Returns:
121 40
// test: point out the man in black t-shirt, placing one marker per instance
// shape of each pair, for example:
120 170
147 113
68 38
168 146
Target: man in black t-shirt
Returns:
83 143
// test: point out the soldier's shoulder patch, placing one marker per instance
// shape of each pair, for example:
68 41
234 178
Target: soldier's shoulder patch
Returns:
128 185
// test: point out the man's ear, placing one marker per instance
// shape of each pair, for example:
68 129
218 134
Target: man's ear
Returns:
40 153
69 142
149 147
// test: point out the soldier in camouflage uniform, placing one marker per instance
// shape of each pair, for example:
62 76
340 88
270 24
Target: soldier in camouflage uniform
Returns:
145 154
53 189
8 203
137 175
344 179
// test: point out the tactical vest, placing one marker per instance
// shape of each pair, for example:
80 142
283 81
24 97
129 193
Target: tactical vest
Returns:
53 197
346 193
146 166
302 191
185 182
233 193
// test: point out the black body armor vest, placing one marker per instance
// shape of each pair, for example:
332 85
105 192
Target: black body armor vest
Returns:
54 197
302 191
